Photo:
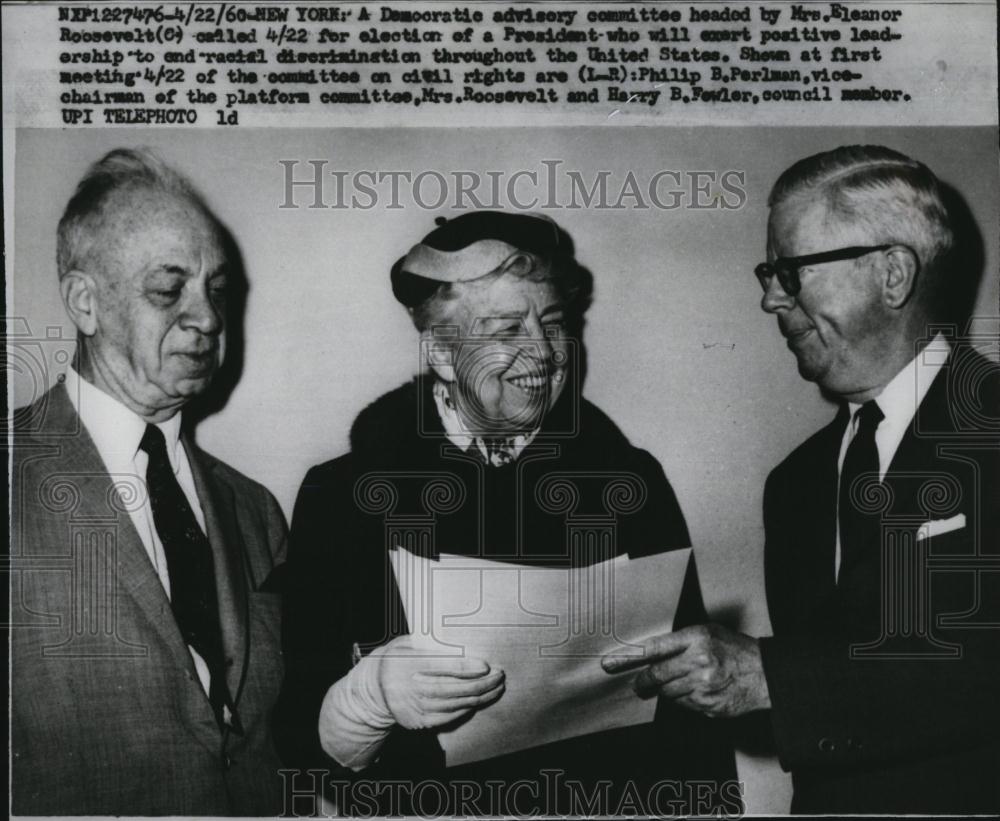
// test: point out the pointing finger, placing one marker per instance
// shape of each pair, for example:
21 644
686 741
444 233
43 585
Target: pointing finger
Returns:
673 686
654 649
662 673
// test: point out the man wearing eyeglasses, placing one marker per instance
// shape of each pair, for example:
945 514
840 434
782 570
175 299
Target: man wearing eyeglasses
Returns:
882 530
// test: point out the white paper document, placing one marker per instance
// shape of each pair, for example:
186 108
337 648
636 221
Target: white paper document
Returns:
548 629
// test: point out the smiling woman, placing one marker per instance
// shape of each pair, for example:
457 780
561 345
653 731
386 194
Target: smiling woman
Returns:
498 299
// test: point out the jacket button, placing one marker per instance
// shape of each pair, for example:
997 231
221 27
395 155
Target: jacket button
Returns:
827 745
227 762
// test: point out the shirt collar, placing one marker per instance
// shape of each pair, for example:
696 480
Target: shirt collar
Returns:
116 429
900 399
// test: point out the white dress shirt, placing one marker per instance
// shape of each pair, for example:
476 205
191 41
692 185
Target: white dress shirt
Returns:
117 431
898 402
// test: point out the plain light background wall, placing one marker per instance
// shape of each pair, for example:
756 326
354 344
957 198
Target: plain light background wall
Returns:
680 354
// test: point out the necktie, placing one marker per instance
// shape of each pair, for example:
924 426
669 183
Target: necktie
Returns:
192 575
858 527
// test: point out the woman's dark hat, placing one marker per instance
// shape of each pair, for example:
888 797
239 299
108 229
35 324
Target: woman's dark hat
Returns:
469 247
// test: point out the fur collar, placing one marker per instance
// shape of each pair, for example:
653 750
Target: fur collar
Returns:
389 426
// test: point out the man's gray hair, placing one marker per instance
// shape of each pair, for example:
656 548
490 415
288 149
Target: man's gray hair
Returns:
120 171
897 198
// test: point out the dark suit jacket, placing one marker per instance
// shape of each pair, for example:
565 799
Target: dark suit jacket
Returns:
884 686
341 591
108 714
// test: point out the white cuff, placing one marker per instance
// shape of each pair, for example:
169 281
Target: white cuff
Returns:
354 720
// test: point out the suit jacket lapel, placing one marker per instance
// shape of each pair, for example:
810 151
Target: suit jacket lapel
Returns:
819 512
136 575
917 455
916 452
222 529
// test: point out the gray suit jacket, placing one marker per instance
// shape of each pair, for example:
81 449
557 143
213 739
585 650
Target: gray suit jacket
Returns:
108 714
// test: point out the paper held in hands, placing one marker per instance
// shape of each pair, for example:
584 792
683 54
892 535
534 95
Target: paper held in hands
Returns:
548 629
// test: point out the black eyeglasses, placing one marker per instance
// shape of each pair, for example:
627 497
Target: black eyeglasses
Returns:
787 268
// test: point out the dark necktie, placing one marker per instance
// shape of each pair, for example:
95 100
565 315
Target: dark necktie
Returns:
857 527
192 575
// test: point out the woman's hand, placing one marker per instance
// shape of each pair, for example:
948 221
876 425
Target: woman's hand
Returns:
424 689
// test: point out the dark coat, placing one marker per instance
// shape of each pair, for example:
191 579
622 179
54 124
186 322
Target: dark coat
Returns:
342 591
884 685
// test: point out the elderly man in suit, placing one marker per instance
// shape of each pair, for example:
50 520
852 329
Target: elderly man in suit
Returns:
882 530
145 643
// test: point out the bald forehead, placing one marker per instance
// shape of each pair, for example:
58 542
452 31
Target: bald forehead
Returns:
142 221
131 210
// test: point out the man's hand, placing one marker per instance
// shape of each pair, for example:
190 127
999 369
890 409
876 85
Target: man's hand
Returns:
423 691
705 668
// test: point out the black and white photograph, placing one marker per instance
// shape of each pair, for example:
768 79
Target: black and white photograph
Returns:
553 467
